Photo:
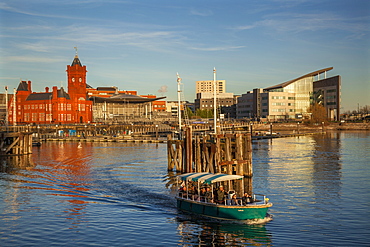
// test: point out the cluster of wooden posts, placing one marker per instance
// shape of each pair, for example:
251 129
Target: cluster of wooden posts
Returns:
214 153
15 143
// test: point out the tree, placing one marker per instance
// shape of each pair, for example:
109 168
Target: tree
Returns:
189 112
204 113
318 113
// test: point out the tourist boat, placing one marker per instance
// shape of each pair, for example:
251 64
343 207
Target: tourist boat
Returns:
193 201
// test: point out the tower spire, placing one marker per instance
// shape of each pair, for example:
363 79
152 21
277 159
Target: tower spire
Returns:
76 51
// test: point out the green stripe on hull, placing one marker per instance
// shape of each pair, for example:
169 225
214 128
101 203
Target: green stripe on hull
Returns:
224 212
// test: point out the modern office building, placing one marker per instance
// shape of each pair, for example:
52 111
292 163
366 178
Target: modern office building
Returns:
292 99
208 86
205 100
327 92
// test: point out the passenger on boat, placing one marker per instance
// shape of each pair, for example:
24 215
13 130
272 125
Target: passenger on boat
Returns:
247 199
208 195
203 194
234 200
182 191
194 192
220 195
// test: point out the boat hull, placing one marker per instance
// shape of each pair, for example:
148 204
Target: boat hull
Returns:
249 212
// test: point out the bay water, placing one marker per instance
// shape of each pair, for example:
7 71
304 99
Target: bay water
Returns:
119 194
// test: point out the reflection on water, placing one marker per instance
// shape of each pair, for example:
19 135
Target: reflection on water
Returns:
219 234
10 164
326 175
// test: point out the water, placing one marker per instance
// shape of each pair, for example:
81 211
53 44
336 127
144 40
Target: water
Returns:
116 194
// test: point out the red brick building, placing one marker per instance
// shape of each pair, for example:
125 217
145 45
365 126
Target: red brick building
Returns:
55 106
106 92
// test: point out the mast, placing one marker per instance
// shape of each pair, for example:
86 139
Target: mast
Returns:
214 101
179 101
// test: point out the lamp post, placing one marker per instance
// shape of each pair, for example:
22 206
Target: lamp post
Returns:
156 131
298 128
38 132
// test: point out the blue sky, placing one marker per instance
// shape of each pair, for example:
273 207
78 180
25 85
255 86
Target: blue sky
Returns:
142 44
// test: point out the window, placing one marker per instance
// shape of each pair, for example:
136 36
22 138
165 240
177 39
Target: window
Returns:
278 110
278 97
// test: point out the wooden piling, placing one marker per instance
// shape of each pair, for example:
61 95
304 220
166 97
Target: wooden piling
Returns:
215 153
15 143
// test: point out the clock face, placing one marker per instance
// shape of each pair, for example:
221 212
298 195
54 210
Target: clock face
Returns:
73 79
80 79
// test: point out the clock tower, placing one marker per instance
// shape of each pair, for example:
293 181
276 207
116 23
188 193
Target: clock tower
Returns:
80 106
76 74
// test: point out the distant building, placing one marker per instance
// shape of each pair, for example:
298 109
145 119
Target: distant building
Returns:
3 107
106 91
173 107
327 92
56 106
157 105
205 100
208 86
121 107
292 99
123 104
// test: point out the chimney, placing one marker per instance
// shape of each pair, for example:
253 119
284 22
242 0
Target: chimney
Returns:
29 86
55 92
47 89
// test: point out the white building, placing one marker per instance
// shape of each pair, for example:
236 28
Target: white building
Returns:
291 99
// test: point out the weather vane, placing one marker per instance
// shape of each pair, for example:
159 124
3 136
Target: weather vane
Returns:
75 49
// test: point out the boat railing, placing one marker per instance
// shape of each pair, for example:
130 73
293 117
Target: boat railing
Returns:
258 199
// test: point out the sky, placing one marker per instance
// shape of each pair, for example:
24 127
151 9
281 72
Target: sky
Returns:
141 44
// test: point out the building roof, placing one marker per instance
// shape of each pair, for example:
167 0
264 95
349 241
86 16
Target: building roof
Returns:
63 94
23 86
48 96
124 98
113 89
39 96
76 60
284 84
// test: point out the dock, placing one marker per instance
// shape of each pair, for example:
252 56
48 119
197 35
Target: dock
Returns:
15 143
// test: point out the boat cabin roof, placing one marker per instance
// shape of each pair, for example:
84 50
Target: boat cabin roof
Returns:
208 178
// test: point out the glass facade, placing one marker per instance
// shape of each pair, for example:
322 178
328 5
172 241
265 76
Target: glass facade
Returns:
302 88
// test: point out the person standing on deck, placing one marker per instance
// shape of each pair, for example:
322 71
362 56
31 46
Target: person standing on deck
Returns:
220 195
